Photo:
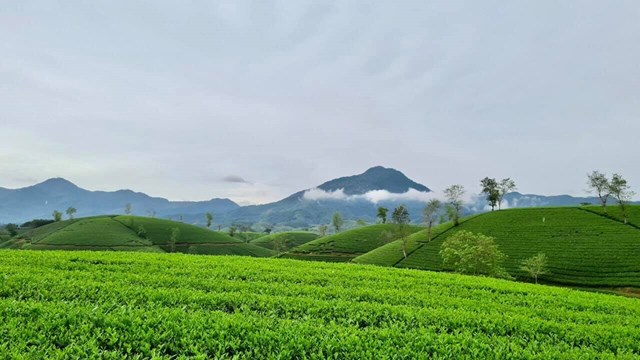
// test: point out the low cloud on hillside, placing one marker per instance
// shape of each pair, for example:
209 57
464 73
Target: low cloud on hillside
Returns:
374 196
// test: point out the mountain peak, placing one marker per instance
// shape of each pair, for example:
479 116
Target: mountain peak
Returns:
56 184
375 178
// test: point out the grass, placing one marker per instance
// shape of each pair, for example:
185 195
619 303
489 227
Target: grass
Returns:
118 233
291 239
583 248
159 231
247 236
126 305
349 244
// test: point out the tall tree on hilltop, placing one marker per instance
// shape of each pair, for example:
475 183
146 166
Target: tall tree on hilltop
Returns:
491 190
57 215
506 186
337 221
598 184
382 214
209 217
400 218
70 211
621 191
454 195
430 214
127 208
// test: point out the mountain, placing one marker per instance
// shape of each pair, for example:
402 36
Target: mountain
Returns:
355 197
40 200
376 178
303 210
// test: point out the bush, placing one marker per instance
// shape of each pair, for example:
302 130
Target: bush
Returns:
475 254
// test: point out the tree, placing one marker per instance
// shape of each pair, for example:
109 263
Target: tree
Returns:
142 232
57 215
491 190
280 244
337 221
322 230
12 229
232 230
470 253
209 217
622 192
175 235
506 186
70 211
127 208
535 266
382 214
430 214
400 218
454 195
598 184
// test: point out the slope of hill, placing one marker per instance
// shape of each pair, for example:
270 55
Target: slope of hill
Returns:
288 239
347 245
583 248
375 178
125 305
124 233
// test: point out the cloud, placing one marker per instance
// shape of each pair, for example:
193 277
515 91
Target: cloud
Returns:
235 179
374 196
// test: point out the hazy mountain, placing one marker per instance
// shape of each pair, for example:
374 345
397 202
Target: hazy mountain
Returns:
40 200
356 197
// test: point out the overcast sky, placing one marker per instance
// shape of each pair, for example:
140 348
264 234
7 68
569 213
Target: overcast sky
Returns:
256 100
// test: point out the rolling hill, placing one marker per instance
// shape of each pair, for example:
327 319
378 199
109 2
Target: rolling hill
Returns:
124 233
583 247
289 239
134 305
346 245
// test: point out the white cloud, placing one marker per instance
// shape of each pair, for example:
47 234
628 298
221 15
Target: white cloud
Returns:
374 196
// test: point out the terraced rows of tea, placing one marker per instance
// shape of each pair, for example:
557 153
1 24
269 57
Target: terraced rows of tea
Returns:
583 248
123 233
115 305
344 246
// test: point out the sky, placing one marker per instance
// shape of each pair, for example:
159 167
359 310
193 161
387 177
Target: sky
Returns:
253 101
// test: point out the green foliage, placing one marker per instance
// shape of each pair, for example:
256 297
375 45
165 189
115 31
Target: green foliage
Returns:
454 195
59 305
588 249
347 245
70 212
175 236
535 266
429 215
285 240
232 230
491 190
12 229
128 233
57 215
382 214
337 221
209 218
476 254
322 230
622 192
141 231
598 184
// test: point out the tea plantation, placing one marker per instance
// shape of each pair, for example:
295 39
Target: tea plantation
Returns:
116 305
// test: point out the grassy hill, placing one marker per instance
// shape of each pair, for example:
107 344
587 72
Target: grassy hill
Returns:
133 305
347 245
122 233
291 239
583 248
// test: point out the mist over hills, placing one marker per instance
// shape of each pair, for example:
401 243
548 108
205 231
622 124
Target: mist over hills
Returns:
356 197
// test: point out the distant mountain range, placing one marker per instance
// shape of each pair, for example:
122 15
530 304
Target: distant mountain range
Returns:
356 197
